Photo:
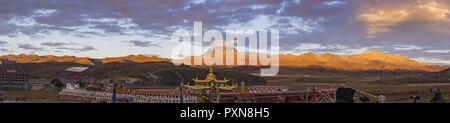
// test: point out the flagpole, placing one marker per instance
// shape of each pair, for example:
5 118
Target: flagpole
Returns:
218 96
181 90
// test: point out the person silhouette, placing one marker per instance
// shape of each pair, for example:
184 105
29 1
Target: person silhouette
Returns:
437 96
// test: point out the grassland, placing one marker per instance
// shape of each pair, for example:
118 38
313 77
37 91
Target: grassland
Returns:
395 88
31 96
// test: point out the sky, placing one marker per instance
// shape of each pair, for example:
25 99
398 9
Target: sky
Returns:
418 29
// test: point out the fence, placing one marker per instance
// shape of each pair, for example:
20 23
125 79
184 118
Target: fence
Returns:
130 97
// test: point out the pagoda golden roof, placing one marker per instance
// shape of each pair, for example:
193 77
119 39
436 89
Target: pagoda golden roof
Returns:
197 87
210 78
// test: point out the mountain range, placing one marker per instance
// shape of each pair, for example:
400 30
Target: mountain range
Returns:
142 74
366 61
25 58
370 60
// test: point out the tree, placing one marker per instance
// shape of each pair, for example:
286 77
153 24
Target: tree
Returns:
58 83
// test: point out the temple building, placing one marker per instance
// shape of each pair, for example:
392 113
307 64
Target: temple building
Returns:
210 82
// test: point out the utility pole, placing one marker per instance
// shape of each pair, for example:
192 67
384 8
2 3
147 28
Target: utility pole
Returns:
218 94
439 79
381 80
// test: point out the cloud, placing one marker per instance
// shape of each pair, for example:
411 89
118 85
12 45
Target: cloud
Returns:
44 12
86 48
319 48
140 17
438 51
64 46
30 47
432 60
22 21
355 50
283 6
151 55
4 50
286 24
142 43
83 49
406 47
334 26
310 46
3 43
335 3
315 46
386 15
198 1
53 44
255 7
125 23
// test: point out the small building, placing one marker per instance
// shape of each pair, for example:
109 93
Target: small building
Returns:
40 85
72 86
37 86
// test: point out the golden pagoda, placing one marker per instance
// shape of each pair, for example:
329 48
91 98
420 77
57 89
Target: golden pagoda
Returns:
210 82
